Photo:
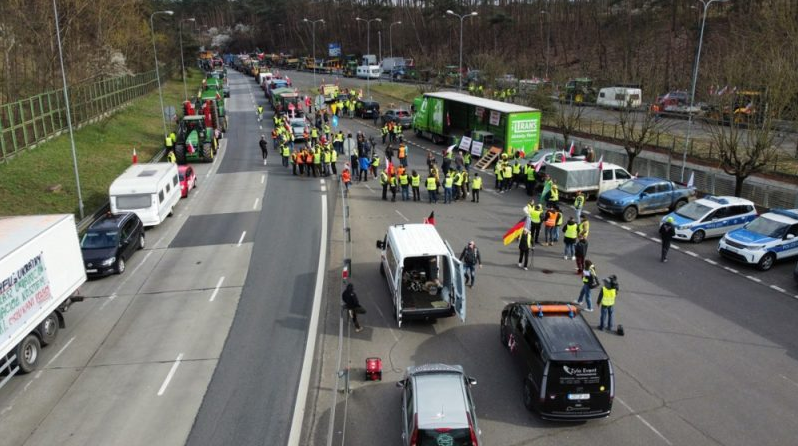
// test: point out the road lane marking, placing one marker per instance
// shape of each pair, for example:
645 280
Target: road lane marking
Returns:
612 222
110 298
731 270
369 188
791 381
755 279
643 420
216 290
262 178
298 417
241 239
255 206
170 375
690 253
59 352
778 288
676 247
626 227
323 188
655 240
711 262
641 233
400 214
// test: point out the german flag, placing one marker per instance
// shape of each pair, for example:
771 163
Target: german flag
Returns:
514 232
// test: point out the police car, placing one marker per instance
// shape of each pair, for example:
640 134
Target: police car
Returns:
711 217
771 236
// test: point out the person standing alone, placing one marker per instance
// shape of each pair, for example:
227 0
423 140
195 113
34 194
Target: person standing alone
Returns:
606 299
471 258
666 233
352 305
525 245
263 148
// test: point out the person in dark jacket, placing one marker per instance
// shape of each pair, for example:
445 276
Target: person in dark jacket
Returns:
580 251
352 305
471 258
666 233
263 148
525 245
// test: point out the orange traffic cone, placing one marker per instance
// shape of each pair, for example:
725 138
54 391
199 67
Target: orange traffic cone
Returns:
135 157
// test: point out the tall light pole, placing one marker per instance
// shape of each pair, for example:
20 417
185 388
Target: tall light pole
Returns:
313 31
695 79
548 40
157 71
460 71
390 35
368 51
182 64
379 46
68 113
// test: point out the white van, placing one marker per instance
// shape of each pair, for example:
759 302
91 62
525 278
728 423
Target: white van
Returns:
424 276
369 72
149 190
619 97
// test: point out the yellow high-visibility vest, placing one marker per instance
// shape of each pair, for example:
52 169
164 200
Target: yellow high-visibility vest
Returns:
432 184
476 183
415 180
607 296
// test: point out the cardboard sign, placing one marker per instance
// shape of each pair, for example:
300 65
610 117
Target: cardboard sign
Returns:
479 112
465 143
495 117
476 148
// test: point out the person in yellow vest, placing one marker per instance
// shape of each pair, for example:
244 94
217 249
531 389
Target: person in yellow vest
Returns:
384 131
259 110
606 299
432 188
327 131
525 245
467 161
554 195
535 220
333 160
392 184
589 281
448 182
579 204
457 185
375 165
569 233
384 184
404 183
403 154
584 228
309 157
517 172
529 170
170 156
326 160
507 176
557 224
314 135
167 142
293 162
464 185
497 171
398 130
476 186
550 222
338 142
316 161
286 153
415 183
173 137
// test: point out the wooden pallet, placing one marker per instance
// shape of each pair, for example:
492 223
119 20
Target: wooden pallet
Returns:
487 159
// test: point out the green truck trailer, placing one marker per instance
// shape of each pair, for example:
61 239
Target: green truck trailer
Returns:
445 116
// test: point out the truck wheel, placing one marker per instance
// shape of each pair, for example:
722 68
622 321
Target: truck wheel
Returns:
48 329
679 204
28 354
120 265
207 151
529 395
180 154
629 213
766 262
698 236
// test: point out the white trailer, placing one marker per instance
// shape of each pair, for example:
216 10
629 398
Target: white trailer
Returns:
150 190
619 97
389 63
368 72
586 177
41 268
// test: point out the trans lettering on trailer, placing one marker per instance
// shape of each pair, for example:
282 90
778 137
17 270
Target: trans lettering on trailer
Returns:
525 126
26 288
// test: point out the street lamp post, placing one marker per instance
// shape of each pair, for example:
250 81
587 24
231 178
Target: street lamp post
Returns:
379 46
692 87
390 35
182 64
68 113
313 34
548 40
461 17
368 51
157 71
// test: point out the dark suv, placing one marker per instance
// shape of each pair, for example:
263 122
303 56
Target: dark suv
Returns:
567 374
367 109
110 241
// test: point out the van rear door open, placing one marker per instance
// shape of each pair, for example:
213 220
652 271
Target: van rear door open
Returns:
458 295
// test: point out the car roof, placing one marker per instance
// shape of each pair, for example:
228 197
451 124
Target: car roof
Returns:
566 336
183 168
416 240
111 221
788 216
719 201
440 395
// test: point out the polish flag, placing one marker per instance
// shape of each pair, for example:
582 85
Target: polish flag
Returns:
562 158
538 165
190 147
601 162
135 156
571 150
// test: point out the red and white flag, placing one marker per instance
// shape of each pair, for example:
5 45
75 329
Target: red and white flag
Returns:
135 157
190 147
538 165
562 158
571 150
431 219
601 162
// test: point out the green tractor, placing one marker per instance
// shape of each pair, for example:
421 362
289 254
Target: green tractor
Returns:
579 91
213 91
195 141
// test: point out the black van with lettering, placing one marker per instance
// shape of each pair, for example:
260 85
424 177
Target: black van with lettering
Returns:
567 372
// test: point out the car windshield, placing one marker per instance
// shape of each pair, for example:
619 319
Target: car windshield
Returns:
402 113
538 155
693 211
98 239
181 176
631 187
449 437
767 227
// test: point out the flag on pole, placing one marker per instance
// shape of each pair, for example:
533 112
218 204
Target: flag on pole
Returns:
135 157
514 232
601 162
431 219
190 147
691 181
538 165
562 158
571 150
448 119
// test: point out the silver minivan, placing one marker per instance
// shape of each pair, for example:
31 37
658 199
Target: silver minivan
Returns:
437 407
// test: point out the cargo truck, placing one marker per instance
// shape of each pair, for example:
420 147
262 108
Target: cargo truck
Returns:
41 268
586 177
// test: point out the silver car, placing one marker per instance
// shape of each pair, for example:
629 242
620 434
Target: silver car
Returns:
437 407
398 116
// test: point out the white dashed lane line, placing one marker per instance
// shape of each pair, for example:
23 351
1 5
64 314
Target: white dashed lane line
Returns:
755 279
711 262
778 288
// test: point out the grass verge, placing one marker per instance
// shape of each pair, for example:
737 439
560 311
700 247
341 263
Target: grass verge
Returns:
400 92
104 150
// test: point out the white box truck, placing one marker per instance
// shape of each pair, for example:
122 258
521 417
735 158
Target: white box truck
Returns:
41 268
587 177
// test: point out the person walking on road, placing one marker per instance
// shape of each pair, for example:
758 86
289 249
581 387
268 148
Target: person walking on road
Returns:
352 305
476 186
525 245
606 299
589 281
471 258
263 148
580 251
666 232
579 203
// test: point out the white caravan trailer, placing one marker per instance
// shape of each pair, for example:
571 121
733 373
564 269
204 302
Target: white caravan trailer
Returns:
149 190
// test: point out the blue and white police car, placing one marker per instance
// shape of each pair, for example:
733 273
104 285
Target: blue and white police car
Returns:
711 217
771 236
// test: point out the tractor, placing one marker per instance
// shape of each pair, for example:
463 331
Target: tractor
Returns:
579 91
195 140
212 91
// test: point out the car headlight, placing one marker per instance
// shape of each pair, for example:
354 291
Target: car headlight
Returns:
108 262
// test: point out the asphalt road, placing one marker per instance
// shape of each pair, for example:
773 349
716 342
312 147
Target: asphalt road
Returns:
709 355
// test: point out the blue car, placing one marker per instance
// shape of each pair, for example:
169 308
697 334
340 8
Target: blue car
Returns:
711 217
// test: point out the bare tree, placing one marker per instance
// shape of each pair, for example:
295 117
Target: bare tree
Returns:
638 129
